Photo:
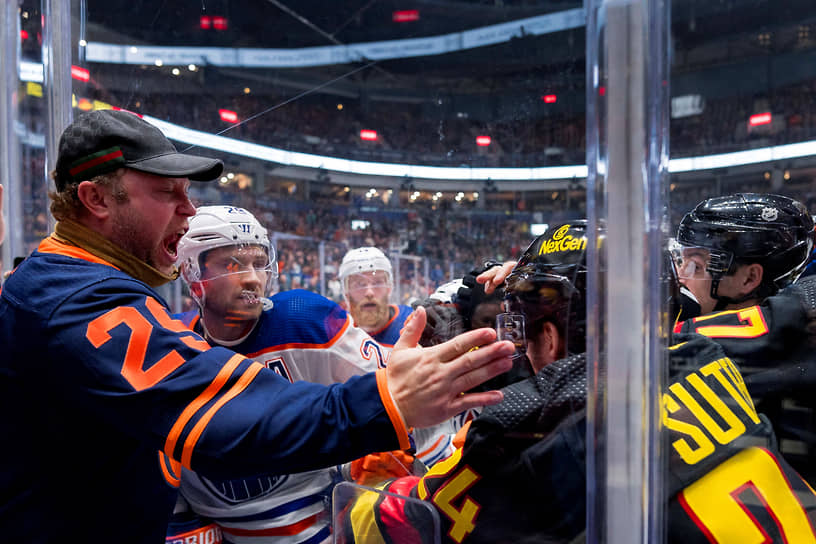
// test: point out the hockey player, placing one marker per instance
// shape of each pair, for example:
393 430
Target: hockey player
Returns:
736 252
520 473
367 280
228 263
94 366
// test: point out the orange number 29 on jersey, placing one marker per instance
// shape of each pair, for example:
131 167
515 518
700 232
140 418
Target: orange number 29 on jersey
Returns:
140 330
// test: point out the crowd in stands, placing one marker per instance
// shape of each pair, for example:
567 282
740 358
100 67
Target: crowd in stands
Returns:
421 134
313 233
430 243
406 133
724 126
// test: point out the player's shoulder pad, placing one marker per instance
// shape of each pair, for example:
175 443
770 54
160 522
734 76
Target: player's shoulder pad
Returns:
299 300
688 352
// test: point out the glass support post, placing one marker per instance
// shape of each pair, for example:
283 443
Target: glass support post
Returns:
627 137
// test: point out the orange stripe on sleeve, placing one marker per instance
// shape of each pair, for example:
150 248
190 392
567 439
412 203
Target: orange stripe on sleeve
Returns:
392 410
205 397
171 469
242 383
459 439
433 446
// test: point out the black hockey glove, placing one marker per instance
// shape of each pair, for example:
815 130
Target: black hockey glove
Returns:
444 322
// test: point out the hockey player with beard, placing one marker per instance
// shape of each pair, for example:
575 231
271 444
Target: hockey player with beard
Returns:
520 474
367 281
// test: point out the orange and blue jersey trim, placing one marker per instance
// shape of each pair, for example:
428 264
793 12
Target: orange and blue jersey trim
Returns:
303 345
54 246
392 410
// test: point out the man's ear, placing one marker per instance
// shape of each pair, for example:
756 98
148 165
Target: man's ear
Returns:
555 344
751 278
93 197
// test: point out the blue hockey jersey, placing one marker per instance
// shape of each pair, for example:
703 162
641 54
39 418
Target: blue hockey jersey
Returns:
103 395
389 334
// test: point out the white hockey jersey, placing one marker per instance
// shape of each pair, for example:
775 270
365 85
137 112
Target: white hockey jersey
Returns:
301 336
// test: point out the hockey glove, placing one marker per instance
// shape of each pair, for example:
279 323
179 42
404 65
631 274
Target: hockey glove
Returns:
378 467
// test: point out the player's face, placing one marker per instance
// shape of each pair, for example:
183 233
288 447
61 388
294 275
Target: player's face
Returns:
693 274
234 278
149 217
691 269
485 315
367 295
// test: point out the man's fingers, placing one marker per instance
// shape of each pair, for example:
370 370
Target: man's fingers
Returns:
494 277
476 400
463 343
412 330
475 368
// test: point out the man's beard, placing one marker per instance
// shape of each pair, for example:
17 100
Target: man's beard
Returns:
128 236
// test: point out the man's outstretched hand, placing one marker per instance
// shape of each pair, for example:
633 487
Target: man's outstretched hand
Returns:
427 384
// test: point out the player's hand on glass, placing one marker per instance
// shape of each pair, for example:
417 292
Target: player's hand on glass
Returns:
427 384
494 277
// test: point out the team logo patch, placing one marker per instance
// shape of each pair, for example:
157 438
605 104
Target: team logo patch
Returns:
562 242
560 232
769 214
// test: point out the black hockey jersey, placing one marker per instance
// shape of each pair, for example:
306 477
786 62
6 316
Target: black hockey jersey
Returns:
520 476
776 355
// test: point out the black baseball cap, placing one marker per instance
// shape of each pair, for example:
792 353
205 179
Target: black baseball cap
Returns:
101 141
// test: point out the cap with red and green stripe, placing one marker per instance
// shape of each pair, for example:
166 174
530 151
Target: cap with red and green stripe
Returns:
101 141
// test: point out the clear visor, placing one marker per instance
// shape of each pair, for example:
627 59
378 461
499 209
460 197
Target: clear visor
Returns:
239 259
510 326
694 262
377 281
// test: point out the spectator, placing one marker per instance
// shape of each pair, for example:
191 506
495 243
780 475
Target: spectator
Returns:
94 362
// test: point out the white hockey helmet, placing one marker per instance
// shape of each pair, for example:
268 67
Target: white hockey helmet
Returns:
446 292
219 226
363 259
